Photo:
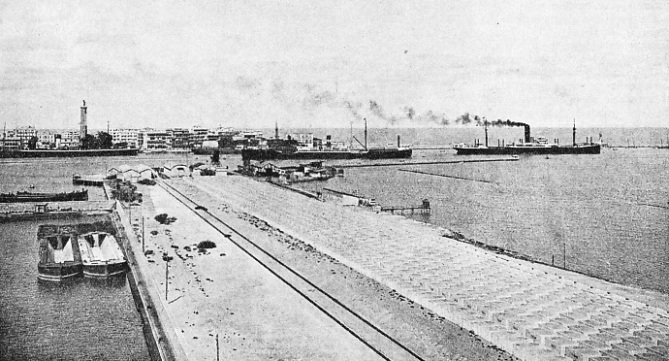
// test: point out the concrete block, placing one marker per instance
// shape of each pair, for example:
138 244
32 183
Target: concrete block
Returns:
659 327
629 347
660 349
651 356
560 343
618 354
607 338
650 334
639 341
581 353
540 334
583 328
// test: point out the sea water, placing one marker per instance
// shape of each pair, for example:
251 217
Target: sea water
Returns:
78 320
604 215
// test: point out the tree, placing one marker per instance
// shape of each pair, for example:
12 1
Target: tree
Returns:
104 140
32 143
88 142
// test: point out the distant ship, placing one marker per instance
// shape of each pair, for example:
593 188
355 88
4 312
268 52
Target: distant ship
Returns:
529 146
24 197
287 152
67 153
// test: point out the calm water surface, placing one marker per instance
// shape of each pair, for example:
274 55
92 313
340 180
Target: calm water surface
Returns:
607 213
83 320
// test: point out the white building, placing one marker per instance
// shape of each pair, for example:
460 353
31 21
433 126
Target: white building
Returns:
129 136
156 140
69 139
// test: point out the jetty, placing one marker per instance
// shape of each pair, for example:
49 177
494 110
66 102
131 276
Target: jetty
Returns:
533 311
444 175
422 208
483 160
88 180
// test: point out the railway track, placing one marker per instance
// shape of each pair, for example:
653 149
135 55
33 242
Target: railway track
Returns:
381 343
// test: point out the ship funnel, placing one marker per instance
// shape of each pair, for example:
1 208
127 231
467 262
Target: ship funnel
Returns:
527 133
398 141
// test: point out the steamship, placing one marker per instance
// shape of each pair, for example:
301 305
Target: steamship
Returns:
530 146
286 151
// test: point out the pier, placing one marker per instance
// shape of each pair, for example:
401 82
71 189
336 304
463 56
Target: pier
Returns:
422 208
88 180
366 165
444 175
533 311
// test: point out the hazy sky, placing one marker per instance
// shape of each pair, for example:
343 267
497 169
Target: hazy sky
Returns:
323 63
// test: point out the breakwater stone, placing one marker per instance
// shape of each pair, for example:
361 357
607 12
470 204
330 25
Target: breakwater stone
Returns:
533 311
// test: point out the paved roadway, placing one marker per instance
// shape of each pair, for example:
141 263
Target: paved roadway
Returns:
533 311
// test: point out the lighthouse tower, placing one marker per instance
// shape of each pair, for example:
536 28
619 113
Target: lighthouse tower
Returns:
83 127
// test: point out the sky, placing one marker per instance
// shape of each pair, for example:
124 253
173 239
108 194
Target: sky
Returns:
249 64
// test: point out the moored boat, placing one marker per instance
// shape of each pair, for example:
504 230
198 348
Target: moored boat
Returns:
59 257
101 255
24 197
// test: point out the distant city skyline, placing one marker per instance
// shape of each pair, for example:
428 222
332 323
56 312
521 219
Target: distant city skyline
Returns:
305 64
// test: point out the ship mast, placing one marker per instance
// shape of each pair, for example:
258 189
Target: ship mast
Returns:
485 126
574 134
365 133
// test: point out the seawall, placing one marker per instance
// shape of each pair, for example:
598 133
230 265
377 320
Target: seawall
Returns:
160 338
533 311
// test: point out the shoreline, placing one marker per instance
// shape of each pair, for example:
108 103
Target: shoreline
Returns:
566 287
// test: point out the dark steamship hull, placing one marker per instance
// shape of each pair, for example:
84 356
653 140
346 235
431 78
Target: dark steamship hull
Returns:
68 153
374 153
518 150
24 197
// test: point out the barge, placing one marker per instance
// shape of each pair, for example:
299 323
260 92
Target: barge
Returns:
59 257
24 197
101 255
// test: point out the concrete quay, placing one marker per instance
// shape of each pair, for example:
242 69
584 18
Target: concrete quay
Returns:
532 311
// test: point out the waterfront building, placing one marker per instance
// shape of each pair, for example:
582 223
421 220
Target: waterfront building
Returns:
10 143
156 140
46 139
198 135
180 138
69 139
127 136
25 133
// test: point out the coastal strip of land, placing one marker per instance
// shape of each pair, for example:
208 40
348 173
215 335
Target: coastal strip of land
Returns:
482 160
444 175
533 311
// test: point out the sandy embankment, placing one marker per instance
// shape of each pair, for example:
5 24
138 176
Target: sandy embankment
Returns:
223 291
426 333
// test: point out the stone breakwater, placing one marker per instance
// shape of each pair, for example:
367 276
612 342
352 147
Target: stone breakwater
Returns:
533 311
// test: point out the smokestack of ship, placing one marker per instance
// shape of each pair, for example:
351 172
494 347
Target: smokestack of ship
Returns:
505 123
